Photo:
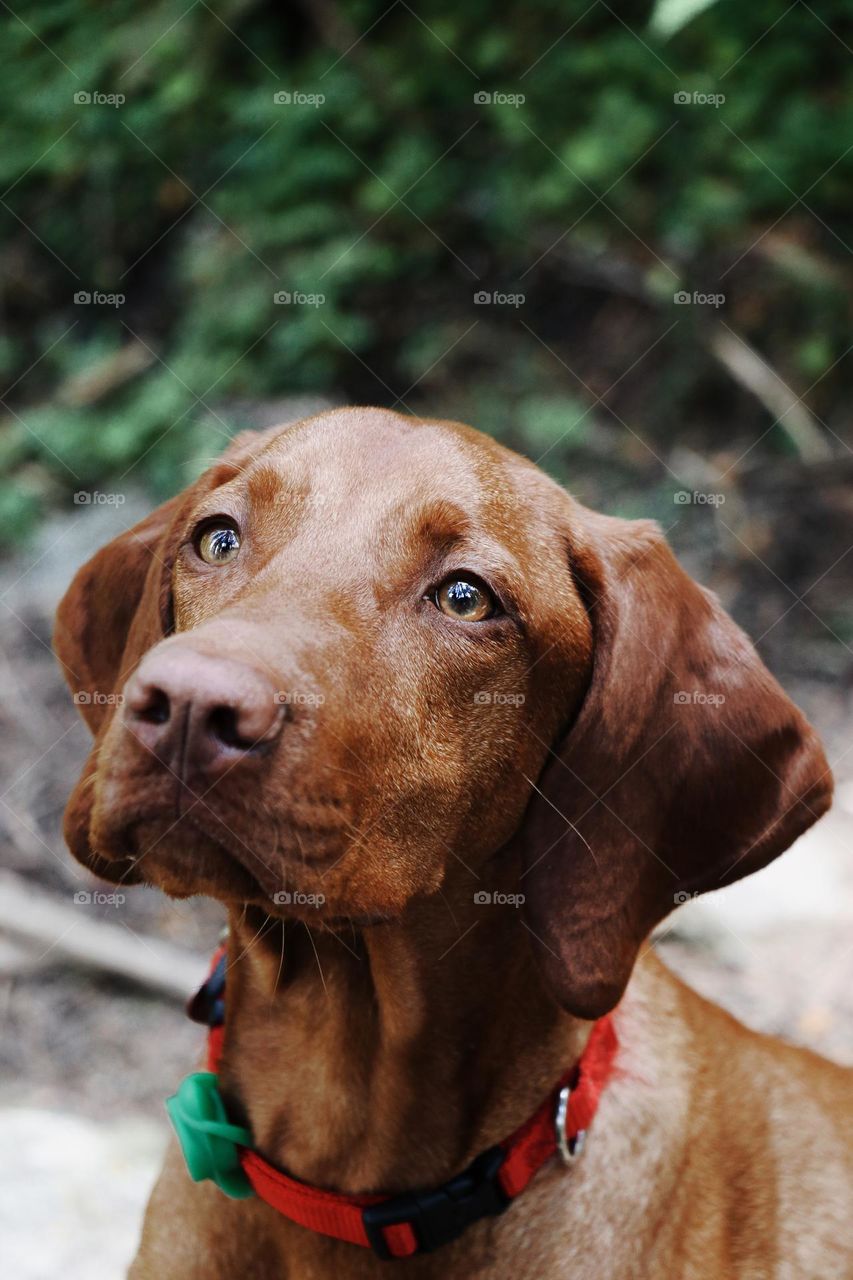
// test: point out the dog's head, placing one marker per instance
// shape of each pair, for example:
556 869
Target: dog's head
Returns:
367 649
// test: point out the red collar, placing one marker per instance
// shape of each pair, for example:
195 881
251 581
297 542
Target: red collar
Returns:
416 1222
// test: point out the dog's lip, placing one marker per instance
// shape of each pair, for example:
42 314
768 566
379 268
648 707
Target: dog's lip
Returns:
291 911
337 922
270 881
147 836
251 863
143 856
260 882
358 921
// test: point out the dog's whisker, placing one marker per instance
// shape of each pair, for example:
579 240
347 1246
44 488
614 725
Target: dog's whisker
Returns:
266 927
317 958
280 963
449 908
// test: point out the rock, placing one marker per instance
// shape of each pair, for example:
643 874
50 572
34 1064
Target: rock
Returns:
71 1200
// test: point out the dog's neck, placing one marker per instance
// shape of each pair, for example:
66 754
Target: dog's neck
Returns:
384 1059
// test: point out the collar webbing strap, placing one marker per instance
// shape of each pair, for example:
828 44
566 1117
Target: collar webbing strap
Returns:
393 1226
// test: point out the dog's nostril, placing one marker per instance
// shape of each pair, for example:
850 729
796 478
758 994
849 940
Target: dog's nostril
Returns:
223 724
156 709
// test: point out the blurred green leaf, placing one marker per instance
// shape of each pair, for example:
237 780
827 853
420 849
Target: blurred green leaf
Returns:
583 183
669 16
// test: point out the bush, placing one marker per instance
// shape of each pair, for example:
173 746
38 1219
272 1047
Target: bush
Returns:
200 197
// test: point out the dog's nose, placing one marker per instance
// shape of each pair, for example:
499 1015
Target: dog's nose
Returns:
196 711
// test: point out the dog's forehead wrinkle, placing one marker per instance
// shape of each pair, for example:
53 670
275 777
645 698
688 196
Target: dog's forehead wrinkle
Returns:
347 450
375 490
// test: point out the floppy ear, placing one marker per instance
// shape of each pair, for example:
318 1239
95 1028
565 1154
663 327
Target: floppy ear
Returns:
115 608
118 604
687 767
95 615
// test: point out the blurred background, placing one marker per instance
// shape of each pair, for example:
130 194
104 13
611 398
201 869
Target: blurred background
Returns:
615 235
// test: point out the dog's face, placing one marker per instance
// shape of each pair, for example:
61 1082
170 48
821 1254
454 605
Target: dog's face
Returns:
377 611
344 657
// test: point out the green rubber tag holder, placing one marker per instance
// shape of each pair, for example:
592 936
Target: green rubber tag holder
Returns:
209 1142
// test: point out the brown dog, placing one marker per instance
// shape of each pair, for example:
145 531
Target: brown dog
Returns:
386 667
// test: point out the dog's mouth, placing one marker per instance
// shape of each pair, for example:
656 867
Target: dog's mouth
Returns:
197 853
299 854
179 858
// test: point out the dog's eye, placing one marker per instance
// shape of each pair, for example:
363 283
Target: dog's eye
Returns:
217 543
466 600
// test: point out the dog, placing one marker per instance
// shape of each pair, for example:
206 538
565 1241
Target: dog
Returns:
427 727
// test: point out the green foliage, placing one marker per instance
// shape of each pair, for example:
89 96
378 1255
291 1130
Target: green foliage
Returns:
396 198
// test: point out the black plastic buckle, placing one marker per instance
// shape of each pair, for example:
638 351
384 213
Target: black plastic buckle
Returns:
439 1216
208 1004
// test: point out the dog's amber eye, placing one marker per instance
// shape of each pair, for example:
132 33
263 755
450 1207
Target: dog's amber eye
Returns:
218 543
468 601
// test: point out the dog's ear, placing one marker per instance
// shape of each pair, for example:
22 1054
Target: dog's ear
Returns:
118 604
106 596
117 594
687 767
